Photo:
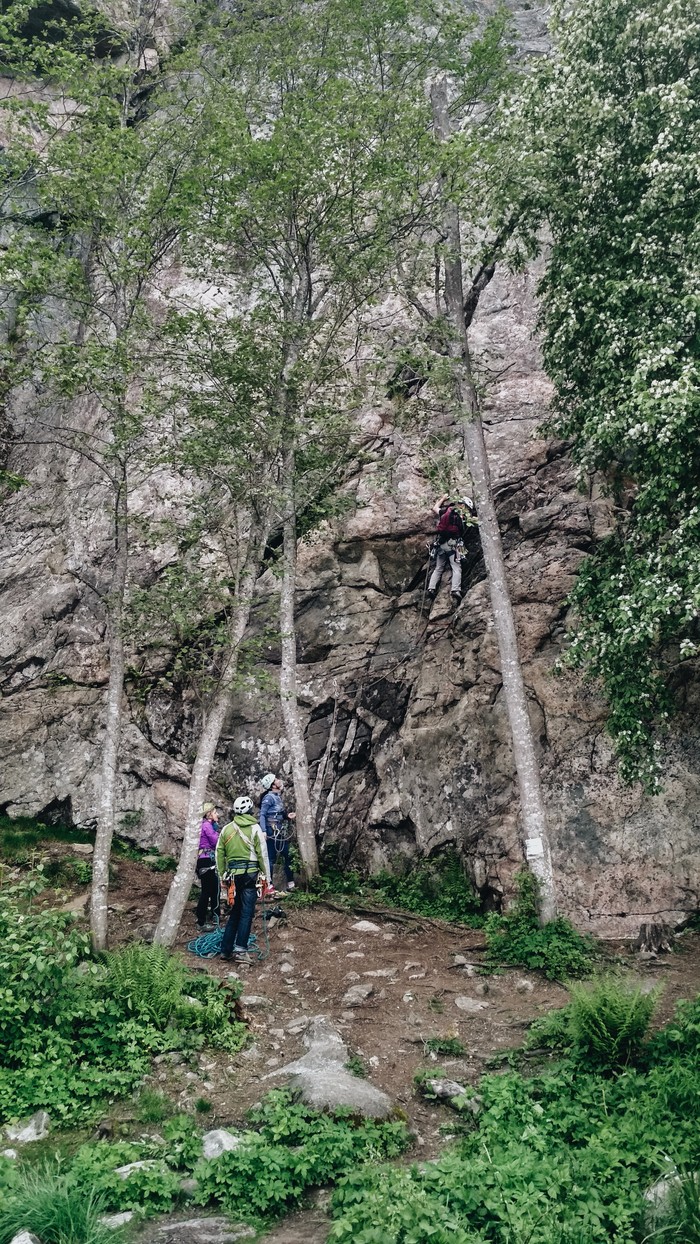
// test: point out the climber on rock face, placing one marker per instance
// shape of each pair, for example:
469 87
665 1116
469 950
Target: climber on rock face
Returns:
448 545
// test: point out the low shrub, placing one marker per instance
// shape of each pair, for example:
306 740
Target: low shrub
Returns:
75 1031
608 1021
293 1150
448 1046
437 888
516 939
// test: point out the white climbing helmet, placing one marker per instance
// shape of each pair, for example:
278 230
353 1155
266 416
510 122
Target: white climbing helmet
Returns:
242 805
468 502
267 780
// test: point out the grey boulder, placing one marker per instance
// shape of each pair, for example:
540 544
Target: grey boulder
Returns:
322 1080
219 1141
34 1128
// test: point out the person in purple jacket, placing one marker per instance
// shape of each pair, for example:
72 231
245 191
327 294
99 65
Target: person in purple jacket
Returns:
208 905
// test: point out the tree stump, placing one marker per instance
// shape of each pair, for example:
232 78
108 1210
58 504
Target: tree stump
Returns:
654 938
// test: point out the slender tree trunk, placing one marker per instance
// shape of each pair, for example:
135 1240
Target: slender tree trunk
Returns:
171 915
537 851
305 827
113 723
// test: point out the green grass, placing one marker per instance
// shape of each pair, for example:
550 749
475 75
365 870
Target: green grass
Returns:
21 838
44 1201
447 1046
154 1107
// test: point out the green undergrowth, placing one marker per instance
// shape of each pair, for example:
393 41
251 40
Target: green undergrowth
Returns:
286 1151
516 939
561 1157
24 840
437 888
21 838
77 1031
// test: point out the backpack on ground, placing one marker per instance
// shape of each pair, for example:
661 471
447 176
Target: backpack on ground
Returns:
450 525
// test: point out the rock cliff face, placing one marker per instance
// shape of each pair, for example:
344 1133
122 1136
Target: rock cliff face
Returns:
405 722
406 726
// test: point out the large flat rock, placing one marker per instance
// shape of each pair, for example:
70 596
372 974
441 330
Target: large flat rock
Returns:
323 1080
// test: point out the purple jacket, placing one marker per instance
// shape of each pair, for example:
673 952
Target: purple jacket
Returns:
208 838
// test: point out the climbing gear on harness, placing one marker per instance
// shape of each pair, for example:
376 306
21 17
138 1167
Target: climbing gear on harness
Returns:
242 805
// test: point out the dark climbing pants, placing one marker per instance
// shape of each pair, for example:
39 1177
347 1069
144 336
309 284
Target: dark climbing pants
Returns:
208 904
276 849
237 931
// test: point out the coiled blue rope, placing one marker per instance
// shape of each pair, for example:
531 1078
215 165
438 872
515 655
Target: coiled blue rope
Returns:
208 945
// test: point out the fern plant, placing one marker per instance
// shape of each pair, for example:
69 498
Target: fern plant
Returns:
609 1020
149 980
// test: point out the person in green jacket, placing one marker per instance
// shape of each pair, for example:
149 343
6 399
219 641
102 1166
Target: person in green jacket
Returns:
241 853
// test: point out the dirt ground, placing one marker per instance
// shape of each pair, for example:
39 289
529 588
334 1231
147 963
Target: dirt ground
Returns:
414 969
417 970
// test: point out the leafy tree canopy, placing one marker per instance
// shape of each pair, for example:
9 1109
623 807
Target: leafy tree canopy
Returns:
613 124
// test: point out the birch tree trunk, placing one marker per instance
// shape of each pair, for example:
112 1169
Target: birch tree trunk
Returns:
534 822
174 906
305 825
113 723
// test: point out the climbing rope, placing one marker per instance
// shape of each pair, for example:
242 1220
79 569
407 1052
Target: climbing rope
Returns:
208 945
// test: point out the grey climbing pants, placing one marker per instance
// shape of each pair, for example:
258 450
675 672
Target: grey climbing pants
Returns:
447 554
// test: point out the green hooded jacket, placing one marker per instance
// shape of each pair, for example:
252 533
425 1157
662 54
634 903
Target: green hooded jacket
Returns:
241 844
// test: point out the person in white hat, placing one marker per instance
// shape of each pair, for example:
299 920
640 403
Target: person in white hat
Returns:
275 824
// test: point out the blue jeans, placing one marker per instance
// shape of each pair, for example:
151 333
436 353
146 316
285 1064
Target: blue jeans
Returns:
239 923
275 848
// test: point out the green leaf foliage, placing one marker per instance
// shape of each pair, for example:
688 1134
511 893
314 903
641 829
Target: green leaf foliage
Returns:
612 127
293 1150
559 1158
609 1020
516 939
74 1032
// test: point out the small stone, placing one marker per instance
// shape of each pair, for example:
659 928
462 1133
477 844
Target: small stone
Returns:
384 973
471 1005
146 1164
278 1033
29 1130
366 926
417 976
411 966
82 848
272 1062
333 937
254 1001
481 989
219 1141
204 1231
114 1221
389 937
189 1185
287 969
524 985
459 961
25 1237
347 1016
10 1154
357 994
355 954
253 1054
409 997
352 976
297 1026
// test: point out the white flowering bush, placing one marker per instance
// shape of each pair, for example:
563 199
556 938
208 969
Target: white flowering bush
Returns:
612 162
